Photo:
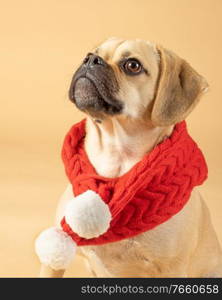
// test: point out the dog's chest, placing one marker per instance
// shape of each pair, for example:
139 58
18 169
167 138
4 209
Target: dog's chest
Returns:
127 258
154 253
119 259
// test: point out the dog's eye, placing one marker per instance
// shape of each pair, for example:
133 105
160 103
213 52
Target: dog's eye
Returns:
132 66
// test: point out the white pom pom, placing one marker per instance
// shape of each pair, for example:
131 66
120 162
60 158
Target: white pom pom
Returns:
55 248
88 215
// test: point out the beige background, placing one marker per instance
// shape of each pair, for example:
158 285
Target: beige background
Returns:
41 43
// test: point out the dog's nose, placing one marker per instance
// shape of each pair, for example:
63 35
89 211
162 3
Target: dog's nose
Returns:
92 60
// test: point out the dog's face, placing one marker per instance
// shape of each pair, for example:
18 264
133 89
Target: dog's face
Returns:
136 79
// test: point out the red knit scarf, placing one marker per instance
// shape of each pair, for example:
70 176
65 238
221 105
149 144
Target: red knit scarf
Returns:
150 193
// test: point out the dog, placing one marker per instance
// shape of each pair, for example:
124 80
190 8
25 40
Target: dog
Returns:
133 93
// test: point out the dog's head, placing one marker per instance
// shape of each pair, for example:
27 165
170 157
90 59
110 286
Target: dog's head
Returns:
136 79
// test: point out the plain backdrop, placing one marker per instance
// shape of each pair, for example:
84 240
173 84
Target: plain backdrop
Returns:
41 44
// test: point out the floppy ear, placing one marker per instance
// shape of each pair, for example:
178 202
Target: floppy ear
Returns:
178 90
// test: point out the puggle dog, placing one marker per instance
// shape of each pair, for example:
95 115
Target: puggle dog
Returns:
133 93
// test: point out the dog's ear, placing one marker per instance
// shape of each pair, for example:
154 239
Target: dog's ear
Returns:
178 89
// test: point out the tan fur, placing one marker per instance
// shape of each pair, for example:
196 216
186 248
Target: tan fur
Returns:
186 245
179 89
49 272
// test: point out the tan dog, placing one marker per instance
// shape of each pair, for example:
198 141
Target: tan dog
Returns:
133 93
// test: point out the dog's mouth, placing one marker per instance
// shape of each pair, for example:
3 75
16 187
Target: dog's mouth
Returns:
91 95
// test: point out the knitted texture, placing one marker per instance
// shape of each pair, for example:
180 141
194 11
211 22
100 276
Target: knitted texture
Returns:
151 192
